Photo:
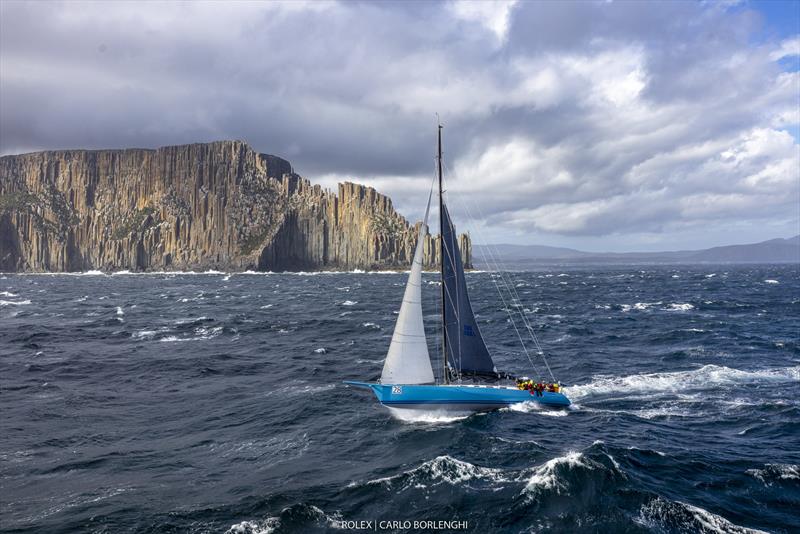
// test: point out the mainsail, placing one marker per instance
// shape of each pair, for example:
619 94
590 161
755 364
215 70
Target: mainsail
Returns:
466 350
407 361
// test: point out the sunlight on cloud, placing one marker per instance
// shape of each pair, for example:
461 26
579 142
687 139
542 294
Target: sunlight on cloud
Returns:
788 48
492 14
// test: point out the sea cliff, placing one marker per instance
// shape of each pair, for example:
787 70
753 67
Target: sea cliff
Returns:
218 205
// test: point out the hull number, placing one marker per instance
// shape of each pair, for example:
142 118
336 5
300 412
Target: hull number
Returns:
397 390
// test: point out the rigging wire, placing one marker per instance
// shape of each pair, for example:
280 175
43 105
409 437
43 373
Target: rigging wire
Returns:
513 294
507 308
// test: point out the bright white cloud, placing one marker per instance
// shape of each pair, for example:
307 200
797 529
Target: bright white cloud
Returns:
788 48
492 14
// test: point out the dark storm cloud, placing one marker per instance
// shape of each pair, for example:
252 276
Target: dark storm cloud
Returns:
569 118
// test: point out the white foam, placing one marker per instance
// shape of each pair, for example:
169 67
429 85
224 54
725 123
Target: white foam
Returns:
545 477
680 381
534 407
266 526
640 306
14 302
371 325
349 303
442 470
7 294
119 311
428 416
775 471
770 281
679 307
201 333
660 514
321 350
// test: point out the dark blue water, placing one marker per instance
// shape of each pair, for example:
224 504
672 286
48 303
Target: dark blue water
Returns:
213 403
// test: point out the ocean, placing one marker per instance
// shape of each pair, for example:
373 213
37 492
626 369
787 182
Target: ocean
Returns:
214 403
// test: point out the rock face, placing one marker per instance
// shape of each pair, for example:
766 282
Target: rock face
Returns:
192 207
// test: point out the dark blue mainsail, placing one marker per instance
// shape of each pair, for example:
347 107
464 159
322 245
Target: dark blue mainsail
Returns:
466 351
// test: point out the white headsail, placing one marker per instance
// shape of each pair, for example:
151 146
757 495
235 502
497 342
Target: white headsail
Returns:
407 361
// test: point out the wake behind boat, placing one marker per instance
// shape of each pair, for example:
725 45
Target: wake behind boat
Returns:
469 381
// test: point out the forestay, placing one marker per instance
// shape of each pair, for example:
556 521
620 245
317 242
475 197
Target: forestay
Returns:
407 361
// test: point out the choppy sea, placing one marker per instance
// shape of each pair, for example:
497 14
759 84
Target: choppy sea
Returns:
214 403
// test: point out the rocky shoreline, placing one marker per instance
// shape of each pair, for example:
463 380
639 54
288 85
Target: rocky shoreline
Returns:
211 206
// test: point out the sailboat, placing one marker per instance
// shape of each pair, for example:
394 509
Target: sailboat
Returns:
469 381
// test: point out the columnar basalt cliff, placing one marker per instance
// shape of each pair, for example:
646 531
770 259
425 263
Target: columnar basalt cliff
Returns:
192 207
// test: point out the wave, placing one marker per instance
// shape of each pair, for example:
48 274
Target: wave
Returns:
201 333
265 526
549 476
663 515
14 302
679 307
535 407
441 470
7 294
641 306
349 303
297 517
680 381
428 416
772 473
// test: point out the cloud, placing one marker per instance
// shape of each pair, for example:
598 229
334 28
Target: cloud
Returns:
788 48
491 14
568 120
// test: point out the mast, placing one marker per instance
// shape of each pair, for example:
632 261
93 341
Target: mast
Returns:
441 258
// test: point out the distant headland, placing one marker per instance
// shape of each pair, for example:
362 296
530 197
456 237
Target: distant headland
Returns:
220 206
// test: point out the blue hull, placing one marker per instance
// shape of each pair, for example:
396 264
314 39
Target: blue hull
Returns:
458 398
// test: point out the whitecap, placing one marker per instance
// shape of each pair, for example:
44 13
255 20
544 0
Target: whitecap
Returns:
321 350
119 311
266 306
534 407
371 325
681 381
434 417
14 302
7 294
660 514
441 470
266 526
545 476
680 307
349 303
640 306
770 281
144 334
772 472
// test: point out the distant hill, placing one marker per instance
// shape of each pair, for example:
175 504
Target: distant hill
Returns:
771 251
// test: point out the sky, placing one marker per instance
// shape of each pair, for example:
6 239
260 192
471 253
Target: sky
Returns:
602 125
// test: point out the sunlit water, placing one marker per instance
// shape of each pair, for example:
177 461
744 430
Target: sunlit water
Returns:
213 402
